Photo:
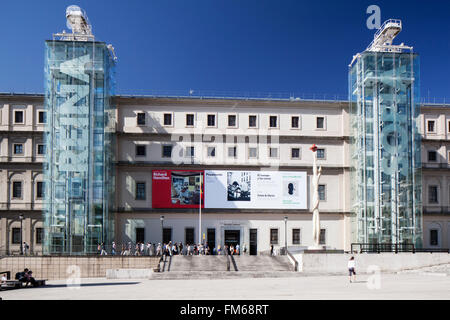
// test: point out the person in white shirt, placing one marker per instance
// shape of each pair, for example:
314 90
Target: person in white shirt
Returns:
351 268
4 278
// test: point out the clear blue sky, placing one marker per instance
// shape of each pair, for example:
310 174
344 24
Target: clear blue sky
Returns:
226 45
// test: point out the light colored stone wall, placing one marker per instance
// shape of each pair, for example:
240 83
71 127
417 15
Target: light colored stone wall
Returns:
53 268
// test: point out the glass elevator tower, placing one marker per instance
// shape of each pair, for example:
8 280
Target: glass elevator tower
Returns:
386 158
79 177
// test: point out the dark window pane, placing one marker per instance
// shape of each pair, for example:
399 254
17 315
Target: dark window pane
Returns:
273 236
320 122
167 151
140 150
189 119
273 121
321 192
294 122
17 189
295 153
433 194
320 153
430 126
273 152
295 236
434 237
42 117
140 191
140 119
211 120
232 152
190 152
40 189
18 117
167 119
39 235
41 149
15 235
322 238
252 121
432 155
18 148
211 151
231 120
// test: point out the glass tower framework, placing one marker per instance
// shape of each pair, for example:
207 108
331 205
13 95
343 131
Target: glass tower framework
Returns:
386 158
79 177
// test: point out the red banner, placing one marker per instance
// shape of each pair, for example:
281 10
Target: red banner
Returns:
177 188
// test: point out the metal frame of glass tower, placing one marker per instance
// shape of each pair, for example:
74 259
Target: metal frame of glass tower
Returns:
386 158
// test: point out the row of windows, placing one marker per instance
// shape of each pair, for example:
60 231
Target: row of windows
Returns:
166 152
19 117
232 122
17 189
432 126
141 191
16 235
433 156
19 149
189 236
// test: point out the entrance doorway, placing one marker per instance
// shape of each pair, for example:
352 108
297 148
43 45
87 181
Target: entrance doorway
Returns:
211 239
253 242
232 237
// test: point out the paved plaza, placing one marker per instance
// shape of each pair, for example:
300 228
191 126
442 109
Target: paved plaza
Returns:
422 284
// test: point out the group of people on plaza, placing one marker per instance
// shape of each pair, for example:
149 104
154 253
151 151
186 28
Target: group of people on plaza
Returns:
176 248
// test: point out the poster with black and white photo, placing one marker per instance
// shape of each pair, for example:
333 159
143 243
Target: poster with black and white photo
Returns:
255 189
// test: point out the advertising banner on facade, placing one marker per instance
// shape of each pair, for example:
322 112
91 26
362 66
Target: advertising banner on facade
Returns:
176 188
255 189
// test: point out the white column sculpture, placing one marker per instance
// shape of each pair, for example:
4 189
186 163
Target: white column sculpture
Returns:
315 201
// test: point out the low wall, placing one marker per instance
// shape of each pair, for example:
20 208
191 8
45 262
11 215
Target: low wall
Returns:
386 262
64 267
129 273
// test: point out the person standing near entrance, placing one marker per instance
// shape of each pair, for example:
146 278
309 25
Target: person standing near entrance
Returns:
271 249
237 249
351 269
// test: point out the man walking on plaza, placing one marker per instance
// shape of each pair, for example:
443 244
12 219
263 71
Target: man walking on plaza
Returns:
351 269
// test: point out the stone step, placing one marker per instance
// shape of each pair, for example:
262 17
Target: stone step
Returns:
211 275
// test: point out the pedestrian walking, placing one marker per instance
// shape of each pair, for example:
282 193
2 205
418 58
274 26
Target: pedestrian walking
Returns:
113 250
271 249
351 269
103 252
237 249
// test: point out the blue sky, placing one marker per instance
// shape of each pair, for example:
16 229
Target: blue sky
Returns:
226 45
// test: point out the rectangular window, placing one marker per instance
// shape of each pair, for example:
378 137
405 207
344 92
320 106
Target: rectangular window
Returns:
42 117
140 150
322 192
211 152
273 121
253 152
167 151
295 153
189 236
320 123
140 191
433 194
232 152
141 119
295 122
295 236
273 152
320 153
189 120
448 126
18 117
231 120
432 156
211 120
252 121
41 149
273 236
322 237
140 235
431 126
39 189
39 235
17 189
15 235
18 148
190 151
167 119
434 233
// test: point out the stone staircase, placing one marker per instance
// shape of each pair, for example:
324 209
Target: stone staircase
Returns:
215 267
